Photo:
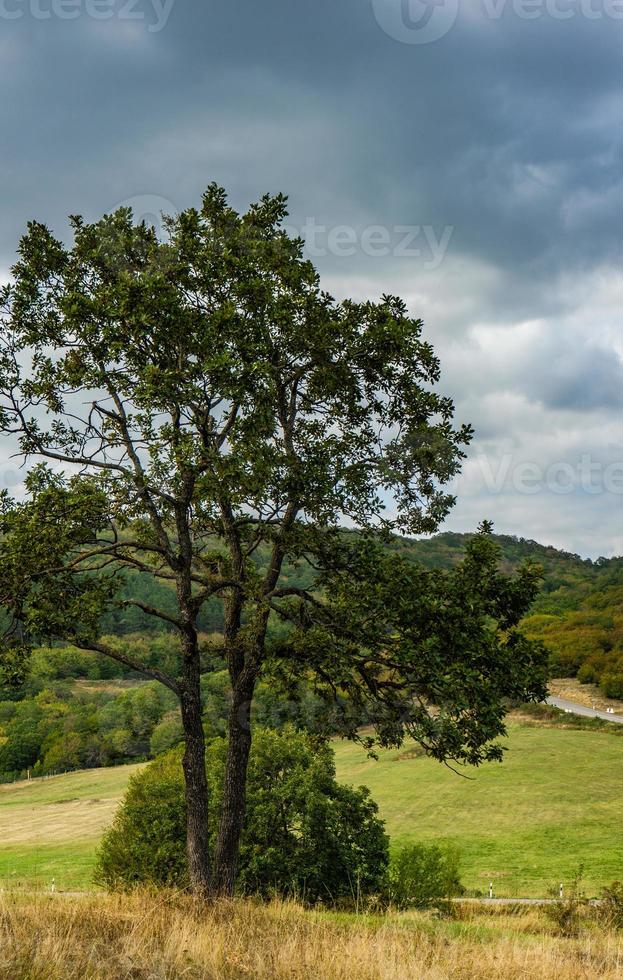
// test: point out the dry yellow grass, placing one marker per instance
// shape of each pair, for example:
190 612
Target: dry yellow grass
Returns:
63 809
142 937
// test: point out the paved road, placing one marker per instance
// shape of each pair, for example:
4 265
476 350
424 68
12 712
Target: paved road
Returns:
581 709
516 901
506 901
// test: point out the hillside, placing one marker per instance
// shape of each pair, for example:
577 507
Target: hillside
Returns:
578 615
76 710
553 804
50 827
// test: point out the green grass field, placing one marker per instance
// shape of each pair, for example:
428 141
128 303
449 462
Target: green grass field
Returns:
555 802
49 828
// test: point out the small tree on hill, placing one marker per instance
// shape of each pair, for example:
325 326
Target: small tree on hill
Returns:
194 403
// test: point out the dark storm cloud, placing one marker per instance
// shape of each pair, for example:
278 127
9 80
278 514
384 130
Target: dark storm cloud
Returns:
490 129
581 380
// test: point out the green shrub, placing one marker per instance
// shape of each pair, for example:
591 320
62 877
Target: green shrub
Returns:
567 913
304 833
146 843
610 909
167 734
588 673
424 875
612 685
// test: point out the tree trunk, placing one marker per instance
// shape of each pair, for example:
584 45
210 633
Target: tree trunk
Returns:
196 787
235 786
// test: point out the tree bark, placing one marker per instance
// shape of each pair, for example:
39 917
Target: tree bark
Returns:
235 786
196 787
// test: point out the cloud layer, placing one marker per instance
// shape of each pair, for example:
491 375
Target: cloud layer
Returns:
496 147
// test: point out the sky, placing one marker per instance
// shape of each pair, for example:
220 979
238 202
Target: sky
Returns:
463 154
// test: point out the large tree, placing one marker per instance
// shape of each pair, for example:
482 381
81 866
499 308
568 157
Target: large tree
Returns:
187 405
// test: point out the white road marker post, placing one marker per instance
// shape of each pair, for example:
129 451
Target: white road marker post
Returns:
490 889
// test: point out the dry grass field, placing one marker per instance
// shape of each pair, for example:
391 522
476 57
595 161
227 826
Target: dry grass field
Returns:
142 937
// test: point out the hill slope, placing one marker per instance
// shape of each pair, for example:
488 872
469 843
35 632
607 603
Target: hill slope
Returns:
554 803
577 614
49 828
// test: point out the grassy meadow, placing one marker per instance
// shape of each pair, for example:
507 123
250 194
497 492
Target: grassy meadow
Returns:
525 824
555 802
49 828
165 937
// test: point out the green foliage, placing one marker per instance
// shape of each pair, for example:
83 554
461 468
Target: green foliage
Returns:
304 833
208 432
612 684
237 416
15 659
68 728
577 614
147 841
582 625
462 632
66 663
167 734
411 637
423 875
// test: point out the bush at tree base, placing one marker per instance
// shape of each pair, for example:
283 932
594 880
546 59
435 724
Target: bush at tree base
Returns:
304 834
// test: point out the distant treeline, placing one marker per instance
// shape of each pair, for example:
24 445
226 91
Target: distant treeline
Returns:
79 711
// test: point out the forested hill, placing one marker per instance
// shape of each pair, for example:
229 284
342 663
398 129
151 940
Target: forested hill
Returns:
560 567
579 613
77 710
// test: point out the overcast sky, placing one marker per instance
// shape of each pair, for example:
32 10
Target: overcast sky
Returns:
465 154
